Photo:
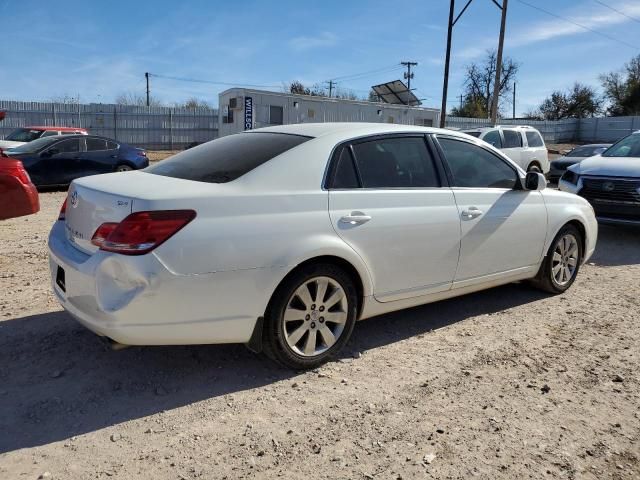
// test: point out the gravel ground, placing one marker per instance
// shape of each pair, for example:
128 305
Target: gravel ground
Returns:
506 383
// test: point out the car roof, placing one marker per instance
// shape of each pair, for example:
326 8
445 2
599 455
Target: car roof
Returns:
514 127
349 129
62 129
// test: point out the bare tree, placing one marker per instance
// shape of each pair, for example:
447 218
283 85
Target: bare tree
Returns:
479 80
66 99
194 103
131 98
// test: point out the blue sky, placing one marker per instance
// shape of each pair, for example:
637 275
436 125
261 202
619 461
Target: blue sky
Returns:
98 50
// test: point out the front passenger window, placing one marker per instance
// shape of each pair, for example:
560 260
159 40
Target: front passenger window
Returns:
475 167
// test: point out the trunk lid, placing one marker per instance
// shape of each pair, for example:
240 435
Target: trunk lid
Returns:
87 209
111 197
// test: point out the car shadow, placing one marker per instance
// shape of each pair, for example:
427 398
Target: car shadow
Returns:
59 380
617 245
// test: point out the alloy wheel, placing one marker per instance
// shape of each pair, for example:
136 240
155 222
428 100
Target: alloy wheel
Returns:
123 168
565 259
315 316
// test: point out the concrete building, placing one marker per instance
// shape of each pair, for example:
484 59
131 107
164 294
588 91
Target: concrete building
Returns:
243 109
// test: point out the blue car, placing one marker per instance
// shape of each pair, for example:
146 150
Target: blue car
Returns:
53 161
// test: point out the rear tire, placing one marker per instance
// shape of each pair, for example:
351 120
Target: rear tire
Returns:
124 168
310 316
560 267
534 167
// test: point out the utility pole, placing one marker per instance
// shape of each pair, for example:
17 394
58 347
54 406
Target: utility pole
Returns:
445 83
514 100
146 75
496 85
331 82
408 75
461 97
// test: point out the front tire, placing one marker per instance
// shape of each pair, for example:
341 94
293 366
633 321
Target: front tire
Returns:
310 317
562 263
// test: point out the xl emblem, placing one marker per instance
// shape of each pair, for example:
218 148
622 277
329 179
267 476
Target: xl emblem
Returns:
74 199
608 187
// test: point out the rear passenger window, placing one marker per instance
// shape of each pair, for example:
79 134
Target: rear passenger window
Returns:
475 167
512 139
395 163
534 139
345 172
95 144
493 138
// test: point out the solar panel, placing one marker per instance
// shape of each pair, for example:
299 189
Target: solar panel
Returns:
396 92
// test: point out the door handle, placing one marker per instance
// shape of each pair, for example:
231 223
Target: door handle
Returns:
472 212
355 218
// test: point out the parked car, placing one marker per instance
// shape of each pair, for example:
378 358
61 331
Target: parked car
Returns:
282 237
18 196
24 135
58 160
560 165
522 144
609 181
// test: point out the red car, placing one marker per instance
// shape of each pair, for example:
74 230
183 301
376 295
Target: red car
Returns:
18 196
23 135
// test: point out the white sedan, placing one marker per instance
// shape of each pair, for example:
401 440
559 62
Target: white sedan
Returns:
281 238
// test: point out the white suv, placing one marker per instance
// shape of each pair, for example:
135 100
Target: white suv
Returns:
524 145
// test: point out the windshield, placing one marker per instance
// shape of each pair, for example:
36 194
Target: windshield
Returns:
226 158
24 135
627 147
34 146
583 151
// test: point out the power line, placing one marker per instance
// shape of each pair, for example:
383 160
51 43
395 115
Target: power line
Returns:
212 82
370 72
617 11
535 7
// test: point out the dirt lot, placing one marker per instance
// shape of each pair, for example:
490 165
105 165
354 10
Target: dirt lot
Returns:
507 383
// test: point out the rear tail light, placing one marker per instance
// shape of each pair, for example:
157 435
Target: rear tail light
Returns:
15 169
142 154
141 232
63 210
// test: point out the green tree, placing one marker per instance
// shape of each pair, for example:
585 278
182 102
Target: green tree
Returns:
622 89
579 101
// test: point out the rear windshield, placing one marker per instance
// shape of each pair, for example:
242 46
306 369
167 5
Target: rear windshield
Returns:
226 158
583 151
35 145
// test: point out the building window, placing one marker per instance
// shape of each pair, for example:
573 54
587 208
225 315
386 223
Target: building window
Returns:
424 122
311 113
276 115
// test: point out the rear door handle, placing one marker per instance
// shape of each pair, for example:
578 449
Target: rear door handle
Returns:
355 218
472 212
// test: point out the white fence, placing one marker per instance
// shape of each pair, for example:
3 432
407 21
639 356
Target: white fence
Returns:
148 127
599 129
174 128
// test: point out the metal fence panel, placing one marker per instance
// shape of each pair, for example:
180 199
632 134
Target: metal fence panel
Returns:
607 129
559 131
148 127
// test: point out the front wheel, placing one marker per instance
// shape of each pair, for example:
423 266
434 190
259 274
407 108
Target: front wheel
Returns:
562 263
311 316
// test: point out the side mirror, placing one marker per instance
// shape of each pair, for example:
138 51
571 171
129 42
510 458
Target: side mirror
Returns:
535 181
